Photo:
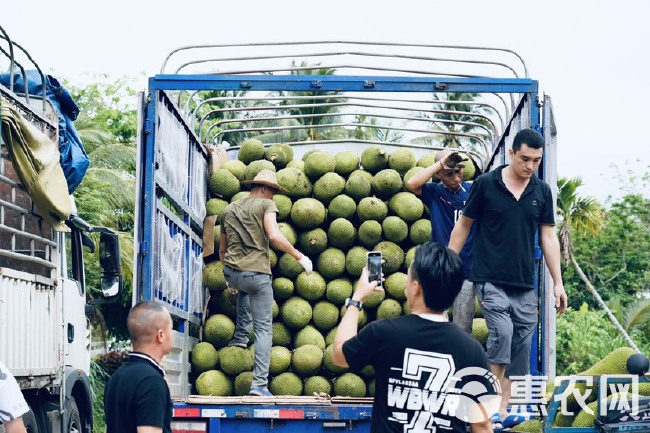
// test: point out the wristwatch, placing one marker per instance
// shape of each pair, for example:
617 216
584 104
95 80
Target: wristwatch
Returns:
354 303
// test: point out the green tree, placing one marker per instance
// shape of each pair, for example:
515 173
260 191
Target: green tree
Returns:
583 215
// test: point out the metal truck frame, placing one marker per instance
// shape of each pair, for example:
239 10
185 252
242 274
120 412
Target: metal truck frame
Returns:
44 329
251 84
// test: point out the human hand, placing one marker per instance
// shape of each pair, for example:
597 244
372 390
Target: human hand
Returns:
306 263
453 160
364 287
561 300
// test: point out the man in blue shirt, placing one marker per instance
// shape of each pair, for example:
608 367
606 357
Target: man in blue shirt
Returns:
446 201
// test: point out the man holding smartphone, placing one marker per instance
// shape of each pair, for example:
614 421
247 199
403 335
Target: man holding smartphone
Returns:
420 357
446 202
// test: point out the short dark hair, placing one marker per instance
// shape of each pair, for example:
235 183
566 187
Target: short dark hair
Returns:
529 137
144 319
439 271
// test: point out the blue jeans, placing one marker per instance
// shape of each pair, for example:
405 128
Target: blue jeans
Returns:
254 308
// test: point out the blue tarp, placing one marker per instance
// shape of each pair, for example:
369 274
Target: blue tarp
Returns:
74 159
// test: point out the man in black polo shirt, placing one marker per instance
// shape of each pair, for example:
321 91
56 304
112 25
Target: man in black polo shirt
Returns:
510 204
137 397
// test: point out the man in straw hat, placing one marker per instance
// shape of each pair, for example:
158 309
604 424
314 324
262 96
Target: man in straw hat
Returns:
247 227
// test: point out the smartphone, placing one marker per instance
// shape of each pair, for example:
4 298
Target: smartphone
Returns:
374 267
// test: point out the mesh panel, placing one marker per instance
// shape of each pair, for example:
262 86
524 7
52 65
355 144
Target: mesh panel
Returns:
199 183
196 281
172 154
169 263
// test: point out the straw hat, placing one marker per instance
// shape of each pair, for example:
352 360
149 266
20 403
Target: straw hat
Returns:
267 178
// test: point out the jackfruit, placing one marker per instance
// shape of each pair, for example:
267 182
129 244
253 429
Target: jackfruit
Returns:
251 150
329 365
223 183
216 206
407 206
289 232
389 309
329 338
219 330
374 159
280 360
309 335
311 286
213 277
401 160
367 372
328 186
409 174
342 206
307 360
235 166
318 163
217 236
278 155
427 160
281 334
234 360
296 313
386 183
341 233
392 255
205 357
283 204
288 266
614 363
295 182
349 385
363 317
325 316
330 264
240 195
296 163
286 384
480 330
394 228
410 256
308 213
395 284
371 208
355 259
338 290
375 299
215 383
317 385
282 288
358 186
346 162
255 167
420 231
370 233
371 388
529 426
273 258
243 383
226 303
313 242
469 170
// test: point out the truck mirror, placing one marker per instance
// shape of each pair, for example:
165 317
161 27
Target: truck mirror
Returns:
109 253
111 285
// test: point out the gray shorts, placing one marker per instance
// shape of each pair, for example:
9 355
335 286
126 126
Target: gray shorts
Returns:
511 317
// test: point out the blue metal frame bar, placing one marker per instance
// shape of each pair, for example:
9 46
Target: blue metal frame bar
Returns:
342 83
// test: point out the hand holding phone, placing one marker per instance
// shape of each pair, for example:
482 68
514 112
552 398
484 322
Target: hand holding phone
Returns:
374 267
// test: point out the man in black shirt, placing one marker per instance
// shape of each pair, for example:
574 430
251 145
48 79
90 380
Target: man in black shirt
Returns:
420 360
510 204
137 398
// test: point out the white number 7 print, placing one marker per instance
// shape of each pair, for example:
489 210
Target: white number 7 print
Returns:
440 366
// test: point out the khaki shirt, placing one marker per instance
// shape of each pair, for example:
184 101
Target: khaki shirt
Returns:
248 244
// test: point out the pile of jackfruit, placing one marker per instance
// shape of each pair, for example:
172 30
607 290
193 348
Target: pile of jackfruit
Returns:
338 207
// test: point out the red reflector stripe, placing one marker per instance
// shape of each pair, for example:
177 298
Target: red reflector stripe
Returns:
184 412
292 414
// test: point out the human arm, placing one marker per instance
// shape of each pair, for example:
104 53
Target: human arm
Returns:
459 233
149 429
16 425
223 246
349 323
551 250
481 427
281 243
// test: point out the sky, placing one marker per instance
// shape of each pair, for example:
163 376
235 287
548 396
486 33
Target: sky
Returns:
591 57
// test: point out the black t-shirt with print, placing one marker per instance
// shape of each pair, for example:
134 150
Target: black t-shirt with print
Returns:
414 360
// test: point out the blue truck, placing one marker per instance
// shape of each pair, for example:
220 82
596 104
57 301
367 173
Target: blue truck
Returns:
249 89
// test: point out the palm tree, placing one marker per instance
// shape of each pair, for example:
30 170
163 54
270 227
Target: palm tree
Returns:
583 215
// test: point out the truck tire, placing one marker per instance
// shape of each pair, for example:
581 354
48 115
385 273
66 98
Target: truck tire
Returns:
74 419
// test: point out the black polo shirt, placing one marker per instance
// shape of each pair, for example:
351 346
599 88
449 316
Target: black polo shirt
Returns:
504 242
137 395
